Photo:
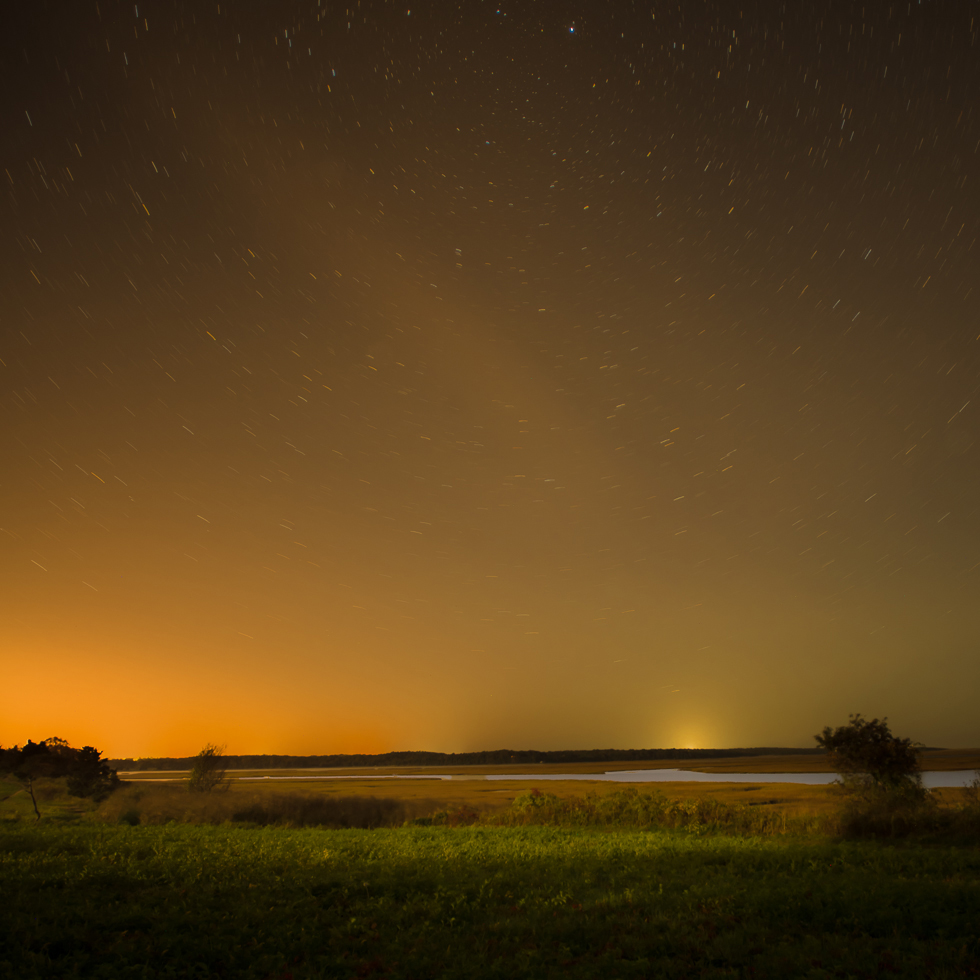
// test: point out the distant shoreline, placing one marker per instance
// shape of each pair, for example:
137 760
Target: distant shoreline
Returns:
497 757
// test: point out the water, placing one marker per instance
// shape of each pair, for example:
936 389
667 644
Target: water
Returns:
931 780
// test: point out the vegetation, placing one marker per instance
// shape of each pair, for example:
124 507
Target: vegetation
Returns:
260 806
294 810
865 752
626 808
634 809
823 813
86 900
85 772
154 880
209 771
880 786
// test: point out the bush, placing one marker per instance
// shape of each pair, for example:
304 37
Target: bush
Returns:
886 811
971 793
459 816
907 811
629 808
365 812
209 771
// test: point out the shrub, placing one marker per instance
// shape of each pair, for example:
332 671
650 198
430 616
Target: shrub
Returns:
629 808
365 812
160 803
883 810
971 793
460 816
209 771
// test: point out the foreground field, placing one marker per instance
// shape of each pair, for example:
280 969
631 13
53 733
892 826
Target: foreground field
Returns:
193 901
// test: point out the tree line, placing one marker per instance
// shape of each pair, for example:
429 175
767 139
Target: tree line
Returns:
495 757
85 772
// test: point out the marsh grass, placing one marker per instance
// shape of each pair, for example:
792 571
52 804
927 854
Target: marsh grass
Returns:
630 808
163 803
837 812
861 812
293 810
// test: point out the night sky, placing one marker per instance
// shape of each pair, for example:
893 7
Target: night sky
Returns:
534 375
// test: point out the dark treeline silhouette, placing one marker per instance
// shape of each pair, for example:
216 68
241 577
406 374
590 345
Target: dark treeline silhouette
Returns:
497 757
86 773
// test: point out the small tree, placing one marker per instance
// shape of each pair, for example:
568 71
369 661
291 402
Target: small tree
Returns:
209 771
89 775
29 763
866 753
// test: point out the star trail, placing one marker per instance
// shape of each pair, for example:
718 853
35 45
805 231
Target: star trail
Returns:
542 375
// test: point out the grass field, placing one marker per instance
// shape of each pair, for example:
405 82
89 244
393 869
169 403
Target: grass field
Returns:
88 900
750 882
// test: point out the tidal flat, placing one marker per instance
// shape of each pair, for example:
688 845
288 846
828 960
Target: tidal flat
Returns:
83 899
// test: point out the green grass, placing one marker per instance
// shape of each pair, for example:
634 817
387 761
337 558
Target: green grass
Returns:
53 801
106 901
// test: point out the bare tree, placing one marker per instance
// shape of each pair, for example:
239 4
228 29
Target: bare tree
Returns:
209 771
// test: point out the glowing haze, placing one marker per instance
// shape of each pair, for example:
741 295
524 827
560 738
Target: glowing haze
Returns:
454 379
